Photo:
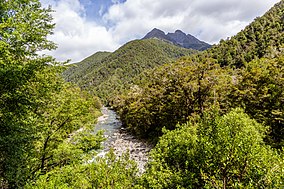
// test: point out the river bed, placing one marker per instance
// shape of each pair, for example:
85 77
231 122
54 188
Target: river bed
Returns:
121 140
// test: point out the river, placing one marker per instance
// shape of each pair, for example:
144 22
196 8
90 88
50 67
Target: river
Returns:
120 140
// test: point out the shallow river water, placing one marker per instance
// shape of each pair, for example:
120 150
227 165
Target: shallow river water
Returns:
120 140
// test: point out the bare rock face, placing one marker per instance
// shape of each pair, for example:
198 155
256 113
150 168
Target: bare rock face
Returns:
178 38
159 34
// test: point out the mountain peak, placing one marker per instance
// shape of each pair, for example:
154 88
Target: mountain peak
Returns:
179 32
154 33
157 30
178 38
157 33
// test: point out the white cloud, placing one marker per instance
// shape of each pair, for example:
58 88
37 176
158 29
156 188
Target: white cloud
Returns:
78 37
208 20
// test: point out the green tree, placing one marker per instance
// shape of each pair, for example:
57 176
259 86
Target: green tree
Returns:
62 109
259 90
262 38
38 111
23 30
215 152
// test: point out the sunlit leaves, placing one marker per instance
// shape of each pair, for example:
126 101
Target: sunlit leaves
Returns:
215 152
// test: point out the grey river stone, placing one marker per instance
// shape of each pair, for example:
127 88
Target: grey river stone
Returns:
120 140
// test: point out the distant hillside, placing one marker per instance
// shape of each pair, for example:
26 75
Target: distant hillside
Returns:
178 38
107 74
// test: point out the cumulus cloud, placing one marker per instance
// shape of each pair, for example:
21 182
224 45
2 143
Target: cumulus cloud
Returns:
78 36
208 20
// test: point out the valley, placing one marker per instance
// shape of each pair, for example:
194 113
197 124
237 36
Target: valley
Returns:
165 111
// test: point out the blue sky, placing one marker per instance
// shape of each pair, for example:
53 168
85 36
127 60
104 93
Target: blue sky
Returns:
96 8
84 27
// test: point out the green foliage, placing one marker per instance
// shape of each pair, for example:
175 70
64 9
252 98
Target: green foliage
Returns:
21 38
86 141
63 112
24 27
76 72
172 93
110 74
76 150
38 111
31 141
108 172
215 152
259 90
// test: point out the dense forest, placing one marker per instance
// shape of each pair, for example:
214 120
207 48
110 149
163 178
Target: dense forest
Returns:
216 117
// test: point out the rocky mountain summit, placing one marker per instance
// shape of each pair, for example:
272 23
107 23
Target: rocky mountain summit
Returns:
178 38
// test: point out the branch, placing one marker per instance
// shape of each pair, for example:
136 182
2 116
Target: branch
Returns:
43 158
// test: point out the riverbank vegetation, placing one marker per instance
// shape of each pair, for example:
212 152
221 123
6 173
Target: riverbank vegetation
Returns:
219 113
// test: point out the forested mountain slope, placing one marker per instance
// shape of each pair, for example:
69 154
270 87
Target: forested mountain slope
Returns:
243 71
78 70
110 75
264 37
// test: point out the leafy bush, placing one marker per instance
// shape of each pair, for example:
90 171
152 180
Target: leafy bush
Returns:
108 172
215 152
